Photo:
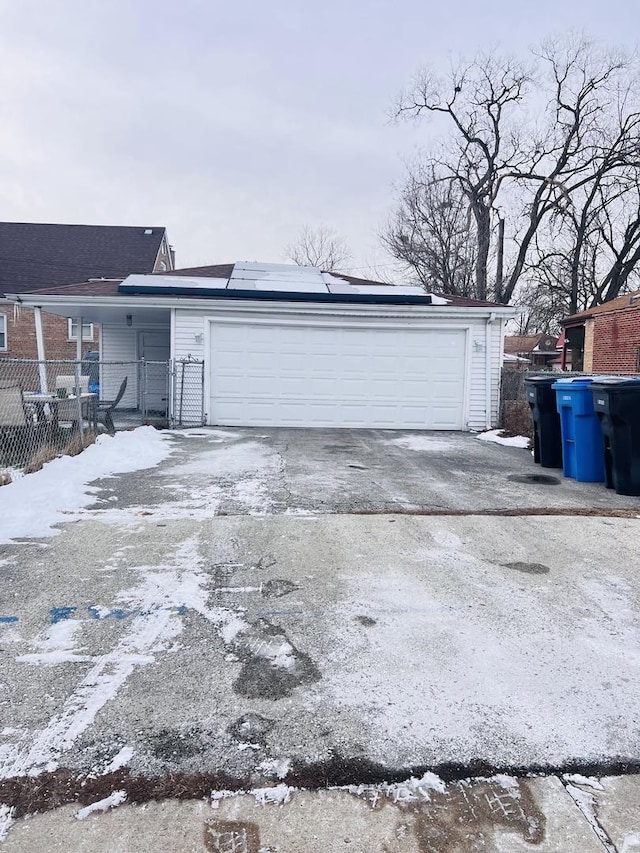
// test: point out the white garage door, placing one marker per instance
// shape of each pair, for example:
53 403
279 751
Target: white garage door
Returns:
279 375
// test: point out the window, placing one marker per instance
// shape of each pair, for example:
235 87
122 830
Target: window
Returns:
638 361
3 331
72 331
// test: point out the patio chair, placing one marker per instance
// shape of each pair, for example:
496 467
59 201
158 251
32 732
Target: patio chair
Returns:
18 433
67 410
104 414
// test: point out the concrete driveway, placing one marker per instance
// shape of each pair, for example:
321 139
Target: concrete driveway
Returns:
320 607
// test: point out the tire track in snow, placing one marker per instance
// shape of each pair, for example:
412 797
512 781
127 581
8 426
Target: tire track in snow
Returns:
161 599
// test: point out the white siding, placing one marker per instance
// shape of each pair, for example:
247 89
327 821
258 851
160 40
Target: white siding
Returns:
189 326
477 385
119 343
191 333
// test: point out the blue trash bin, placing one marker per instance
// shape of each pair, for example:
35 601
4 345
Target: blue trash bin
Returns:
582 442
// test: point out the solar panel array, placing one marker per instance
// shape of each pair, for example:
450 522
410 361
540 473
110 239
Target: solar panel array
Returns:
274 278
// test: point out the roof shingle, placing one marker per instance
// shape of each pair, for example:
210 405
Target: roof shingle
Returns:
35 256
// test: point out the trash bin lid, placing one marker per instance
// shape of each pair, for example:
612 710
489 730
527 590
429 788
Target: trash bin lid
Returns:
578 383
615 383
540 380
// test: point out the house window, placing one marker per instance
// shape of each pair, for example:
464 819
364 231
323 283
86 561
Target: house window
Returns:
72 330
3 331
638 361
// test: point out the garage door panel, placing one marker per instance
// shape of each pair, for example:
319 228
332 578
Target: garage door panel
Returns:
320 376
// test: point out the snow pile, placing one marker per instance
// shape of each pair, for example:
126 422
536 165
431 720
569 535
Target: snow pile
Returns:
31 506
496 436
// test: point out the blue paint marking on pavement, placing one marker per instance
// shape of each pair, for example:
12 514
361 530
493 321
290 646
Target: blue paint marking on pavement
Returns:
116 613
60 613
5 620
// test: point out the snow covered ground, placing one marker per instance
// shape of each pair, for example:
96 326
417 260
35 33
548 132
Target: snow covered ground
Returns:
176 635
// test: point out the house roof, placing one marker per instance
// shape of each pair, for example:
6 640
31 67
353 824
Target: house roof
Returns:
34 256
515 344
628 300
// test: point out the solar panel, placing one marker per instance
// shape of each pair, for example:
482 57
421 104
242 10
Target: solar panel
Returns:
279 279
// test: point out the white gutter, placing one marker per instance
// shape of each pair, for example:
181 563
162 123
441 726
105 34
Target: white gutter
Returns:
487 366
262 306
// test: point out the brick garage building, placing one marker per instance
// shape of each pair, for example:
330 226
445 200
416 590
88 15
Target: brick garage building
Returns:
606 339
35 255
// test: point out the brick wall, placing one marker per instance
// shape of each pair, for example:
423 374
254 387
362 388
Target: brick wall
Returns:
587 359
616 341
21 335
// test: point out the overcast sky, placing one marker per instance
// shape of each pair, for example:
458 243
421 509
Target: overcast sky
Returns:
233 124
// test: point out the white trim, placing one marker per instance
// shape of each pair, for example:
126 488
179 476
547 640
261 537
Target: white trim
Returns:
221 306
5 331
338 322
207 366
172 357
468 367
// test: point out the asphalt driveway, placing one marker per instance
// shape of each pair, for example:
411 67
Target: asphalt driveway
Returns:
235 615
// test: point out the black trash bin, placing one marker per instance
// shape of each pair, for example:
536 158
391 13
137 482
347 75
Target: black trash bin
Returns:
547 436
617 404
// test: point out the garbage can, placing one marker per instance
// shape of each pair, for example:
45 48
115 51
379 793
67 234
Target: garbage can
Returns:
547 436
582 443
617 405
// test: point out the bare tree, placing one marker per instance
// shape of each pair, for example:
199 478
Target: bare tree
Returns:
319 247
565 176
589 143
431 233
479 102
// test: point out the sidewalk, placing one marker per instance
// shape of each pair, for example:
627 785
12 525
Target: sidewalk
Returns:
550 814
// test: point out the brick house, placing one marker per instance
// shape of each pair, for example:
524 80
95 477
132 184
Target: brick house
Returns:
606 339
34 256
532 352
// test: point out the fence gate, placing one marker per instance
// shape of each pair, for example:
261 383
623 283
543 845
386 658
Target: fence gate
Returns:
187 379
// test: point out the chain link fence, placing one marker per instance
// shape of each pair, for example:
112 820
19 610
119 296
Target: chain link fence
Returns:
49 408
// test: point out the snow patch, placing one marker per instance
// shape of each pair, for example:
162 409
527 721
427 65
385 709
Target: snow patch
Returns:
495 436
280 795
630 843
110 802
58 645
33 505
587 805
276 767
121 759
585 781
423 443
6 820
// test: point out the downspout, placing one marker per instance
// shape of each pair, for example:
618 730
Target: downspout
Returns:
42 367
487 367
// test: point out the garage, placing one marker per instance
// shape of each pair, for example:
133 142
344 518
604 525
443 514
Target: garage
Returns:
354 374
270 345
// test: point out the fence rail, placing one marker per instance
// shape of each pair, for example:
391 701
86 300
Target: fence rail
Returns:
58 406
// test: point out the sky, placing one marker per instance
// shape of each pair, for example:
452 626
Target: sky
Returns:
234 125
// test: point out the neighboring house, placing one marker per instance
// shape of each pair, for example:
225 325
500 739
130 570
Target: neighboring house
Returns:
533 352
34 255
293 346
606 339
